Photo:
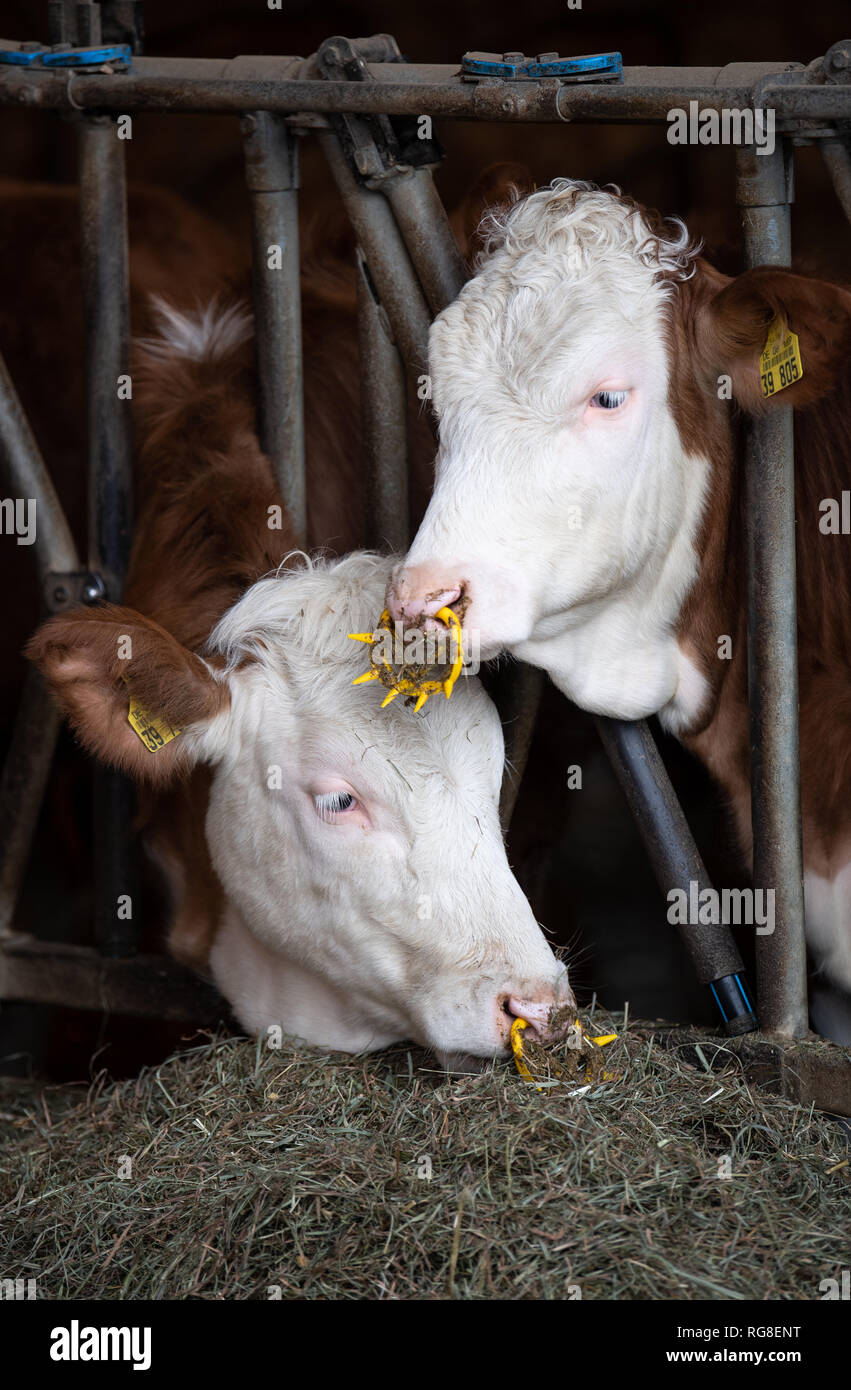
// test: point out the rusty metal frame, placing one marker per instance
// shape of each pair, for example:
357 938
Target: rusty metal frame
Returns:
409 267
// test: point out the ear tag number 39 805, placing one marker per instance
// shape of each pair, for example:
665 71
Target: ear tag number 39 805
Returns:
780 360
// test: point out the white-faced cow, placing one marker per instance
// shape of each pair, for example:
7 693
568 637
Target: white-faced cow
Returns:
339 867
590 383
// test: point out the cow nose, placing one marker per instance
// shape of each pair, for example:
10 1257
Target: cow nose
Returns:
416 594
548 1019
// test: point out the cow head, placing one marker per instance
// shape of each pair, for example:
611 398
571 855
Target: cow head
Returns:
578 381
369 898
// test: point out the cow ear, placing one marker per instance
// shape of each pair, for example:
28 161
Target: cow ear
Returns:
498 186
736 321
99 660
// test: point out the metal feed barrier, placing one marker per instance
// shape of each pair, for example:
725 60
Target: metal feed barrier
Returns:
360 99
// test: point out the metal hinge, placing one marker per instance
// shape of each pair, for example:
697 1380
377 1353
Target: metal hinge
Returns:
64 589
378 146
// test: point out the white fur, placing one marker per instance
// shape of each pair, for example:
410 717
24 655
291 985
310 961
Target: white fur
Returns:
828 908
570 300
684 709
404 922
207 333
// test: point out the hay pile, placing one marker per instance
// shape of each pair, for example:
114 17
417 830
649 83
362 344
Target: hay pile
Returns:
379 1177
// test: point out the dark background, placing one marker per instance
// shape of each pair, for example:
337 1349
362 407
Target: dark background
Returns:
577 855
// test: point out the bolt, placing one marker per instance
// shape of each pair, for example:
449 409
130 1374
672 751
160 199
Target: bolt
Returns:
837 58
508 105
92 591
60 594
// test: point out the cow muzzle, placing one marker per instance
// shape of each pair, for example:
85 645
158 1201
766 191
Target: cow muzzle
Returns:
417 592
548 1013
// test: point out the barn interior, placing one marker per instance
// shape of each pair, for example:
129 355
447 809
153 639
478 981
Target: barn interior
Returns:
579 858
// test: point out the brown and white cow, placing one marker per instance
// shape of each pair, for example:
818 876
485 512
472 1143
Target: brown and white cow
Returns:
590 384
339 867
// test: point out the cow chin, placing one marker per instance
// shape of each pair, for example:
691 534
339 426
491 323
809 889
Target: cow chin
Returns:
464 1063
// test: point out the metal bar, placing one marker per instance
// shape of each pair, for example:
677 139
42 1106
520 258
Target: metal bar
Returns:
271 170
251 83
389 264
103 209
764 192
28 477
421 218
672 852
55 972
837 157
383 398
25 773
812 1072
27 764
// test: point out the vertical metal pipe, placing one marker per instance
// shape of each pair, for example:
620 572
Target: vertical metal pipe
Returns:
837 157
271 171
103 210
389 263
426 231
764 193
383 396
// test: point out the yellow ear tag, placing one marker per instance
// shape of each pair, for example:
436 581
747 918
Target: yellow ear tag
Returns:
780 360
154 732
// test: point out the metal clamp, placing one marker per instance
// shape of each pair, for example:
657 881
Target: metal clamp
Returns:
516 67
378 147
64 589
116 57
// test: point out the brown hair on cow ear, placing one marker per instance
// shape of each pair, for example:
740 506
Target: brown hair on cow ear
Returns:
496 187
736 323
96 659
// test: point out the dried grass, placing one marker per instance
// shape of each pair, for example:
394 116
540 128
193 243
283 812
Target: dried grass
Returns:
309 1172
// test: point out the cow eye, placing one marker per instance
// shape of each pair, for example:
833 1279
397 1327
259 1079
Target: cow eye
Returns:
609 400
331 804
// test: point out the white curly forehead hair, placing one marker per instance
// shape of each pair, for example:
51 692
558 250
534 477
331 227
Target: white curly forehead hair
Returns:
588 226
563 269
